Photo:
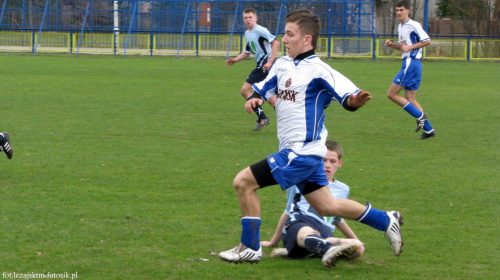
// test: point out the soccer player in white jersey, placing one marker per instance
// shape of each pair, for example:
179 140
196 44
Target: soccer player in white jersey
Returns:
304 87
261 43
412 38
301 227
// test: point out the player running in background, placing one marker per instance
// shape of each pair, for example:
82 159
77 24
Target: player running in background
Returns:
264 46
300 226
412 38
304 86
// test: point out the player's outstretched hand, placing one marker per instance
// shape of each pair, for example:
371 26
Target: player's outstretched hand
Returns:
230 62
252 103
359 99
266 244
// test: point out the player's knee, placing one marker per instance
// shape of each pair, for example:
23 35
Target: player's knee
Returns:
241 182
326 209
411 99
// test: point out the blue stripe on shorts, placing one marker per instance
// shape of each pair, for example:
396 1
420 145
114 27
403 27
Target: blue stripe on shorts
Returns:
410 74
290 169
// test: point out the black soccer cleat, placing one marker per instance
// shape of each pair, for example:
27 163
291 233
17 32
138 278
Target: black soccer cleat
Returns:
5 144
421 122
426 135
261 123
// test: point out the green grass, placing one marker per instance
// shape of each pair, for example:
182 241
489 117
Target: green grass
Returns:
123 169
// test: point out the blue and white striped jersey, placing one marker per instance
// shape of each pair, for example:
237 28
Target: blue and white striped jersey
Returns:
297 205
411 32
304 89
258 42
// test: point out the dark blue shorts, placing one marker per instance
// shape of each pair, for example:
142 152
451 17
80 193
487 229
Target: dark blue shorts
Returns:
256 76
292 227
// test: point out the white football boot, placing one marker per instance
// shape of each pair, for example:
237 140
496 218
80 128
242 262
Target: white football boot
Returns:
331 256
393 232
240 254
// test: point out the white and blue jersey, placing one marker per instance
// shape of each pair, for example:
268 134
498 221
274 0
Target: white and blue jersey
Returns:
298 205
410 75
304 89
258 42
411 32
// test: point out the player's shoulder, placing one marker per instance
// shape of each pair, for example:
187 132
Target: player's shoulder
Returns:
339 185
322 68
413 23
261 29
283 60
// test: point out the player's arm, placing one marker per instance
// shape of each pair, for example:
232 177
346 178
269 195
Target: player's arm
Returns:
275 45
240 57
354 101
253 101
345 229
278 233
390 44
405 48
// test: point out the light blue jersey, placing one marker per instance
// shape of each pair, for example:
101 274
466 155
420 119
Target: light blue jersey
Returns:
297 205
258 42
411 32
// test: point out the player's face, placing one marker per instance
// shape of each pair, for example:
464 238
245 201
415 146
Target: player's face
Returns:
250 20
295 41
402 13
331 163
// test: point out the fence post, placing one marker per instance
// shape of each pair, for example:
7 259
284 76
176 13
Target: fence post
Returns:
468 49
71 41
3 9
182 32
83 28
134 11
232 29
374 46
279 20
151 42
33 41
41 26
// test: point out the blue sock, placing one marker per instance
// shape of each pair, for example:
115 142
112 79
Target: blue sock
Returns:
316 244
412 110
250 236
427 126
1 138
375 218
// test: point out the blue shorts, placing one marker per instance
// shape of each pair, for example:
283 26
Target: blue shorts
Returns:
410 74
256 76
289 169
292 227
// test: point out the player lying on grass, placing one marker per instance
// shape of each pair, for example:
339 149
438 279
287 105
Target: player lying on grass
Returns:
307 234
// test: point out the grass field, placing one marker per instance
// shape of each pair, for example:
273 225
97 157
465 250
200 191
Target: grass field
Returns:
123 169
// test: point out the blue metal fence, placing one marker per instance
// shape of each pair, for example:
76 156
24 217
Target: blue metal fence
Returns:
190 27
337 16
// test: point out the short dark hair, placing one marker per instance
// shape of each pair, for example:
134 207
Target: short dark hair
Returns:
404 4
250 10
308 23
334 147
